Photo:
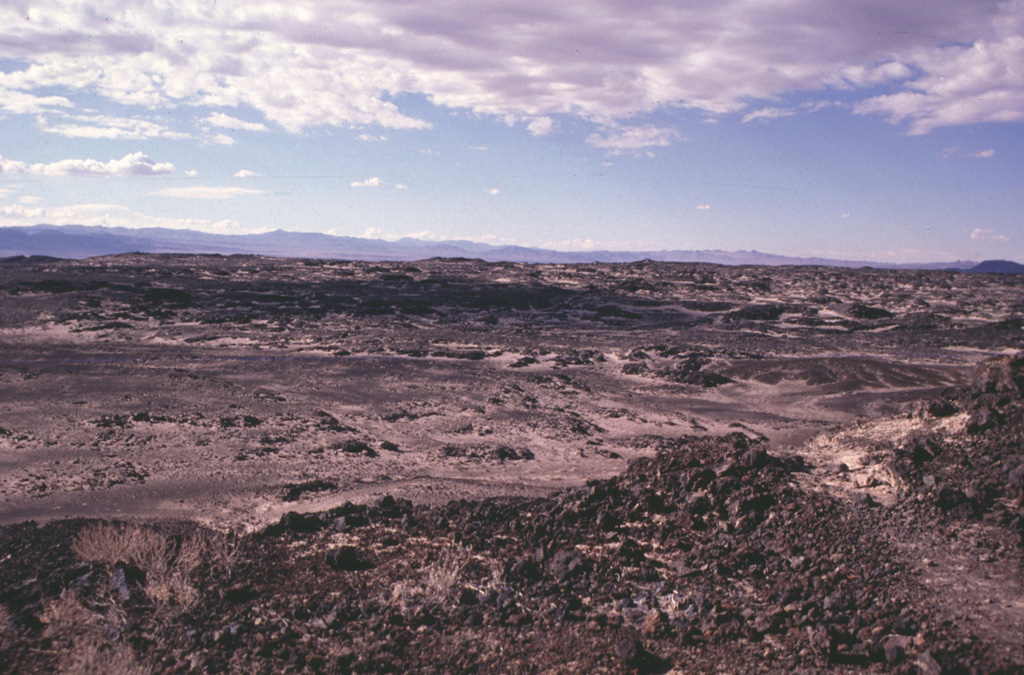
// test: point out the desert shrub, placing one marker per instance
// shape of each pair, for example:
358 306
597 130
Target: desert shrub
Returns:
449 571
85 640
168 563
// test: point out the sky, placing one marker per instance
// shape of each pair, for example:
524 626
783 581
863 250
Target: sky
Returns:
881 130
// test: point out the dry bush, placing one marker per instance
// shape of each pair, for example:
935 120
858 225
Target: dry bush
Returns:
437 582
129 544
85 641
168 567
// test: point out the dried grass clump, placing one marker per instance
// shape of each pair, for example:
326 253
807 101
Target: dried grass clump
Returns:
438 581
169 564
86 641
120 543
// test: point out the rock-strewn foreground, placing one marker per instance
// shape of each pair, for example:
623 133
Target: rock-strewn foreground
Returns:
752 469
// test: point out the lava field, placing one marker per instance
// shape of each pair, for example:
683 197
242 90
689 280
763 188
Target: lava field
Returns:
244 464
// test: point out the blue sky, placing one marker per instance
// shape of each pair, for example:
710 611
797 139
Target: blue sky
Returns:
866 130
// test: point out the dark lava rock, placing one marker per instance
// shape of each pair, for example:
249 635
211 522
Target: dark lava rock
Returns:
297 522
346 559
127 581
634 655
867 313
295 491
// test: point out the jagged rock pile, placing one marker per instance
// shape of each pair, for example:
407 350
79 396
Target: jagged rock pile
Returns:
979 472
706 555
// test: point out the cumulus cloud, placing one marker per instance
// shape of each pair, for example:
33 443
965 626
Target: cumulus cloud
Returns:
308 63
960 85
619 139
206 192
540 126
493 191
227 122
371 138
135 164
400 186
703 207
369 182
982 234
222 139
246 173
984 154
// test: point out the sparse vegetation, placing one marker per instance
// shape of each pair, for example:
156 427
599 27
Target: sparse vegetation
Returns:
500 384
167 563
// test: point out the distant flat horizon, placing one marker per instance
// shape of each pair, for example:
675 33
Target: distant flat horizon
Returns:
81 241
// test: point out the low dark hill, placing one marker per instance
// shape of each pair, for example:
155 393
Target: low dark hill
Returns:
997 267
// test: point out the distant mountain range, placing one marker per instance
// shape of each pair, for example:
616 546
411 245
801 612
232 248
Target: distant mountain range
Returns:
79 241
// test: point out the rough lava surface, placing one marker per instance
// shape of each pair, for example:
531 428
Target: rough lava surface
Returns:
242 464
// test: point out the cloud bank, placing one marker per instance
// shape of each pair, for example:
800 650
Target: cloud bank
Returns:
135 164
345 63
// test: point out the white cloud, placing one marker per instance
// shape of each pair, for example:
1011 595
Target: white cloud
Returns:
703 207
984 154
222 139
481 148
371 138
960 84
619 139
982 234
109 215
775 113
428 235
400 186
309 63
844 215
206 192
369 182
492 239
768 114
191 173
246 173
135 164
540 126
107 127
493 191
20 103
228 122
28 199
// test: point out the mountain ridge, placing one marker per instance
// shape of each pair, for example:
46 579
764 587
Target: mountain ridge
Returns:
82 241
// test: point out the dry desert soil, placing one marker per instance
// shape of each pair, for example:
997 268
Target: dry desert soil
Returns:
248 464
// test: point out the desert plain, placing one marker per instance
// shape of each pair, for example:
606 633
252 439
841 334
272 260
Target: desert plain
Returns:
460 466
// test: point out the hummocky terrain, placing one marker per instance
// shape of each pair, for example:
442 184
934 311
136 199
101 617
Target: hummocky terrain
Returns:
245 464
